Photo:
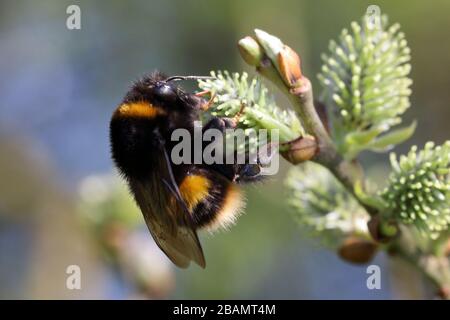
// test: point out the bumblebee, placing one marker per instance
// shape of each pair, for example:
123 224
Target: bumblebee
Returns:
175 200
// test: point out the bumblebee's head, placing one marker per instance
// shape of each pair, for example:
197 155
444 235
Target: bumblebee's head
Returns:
162 91
165 92
158 90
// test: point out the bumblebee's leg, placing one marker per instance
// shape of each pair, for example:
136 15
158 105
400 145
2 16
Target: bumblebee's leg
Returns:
247 173
203 93
208 103
239 114
253 170
221 124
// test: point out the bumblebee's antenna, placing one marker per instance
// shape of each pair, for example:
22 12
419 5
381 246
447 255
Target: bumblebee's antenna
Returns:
178 78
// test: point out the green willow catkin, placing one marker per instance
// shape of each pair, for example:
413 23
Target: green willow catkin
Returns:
419 190
366 86
322 205
235 93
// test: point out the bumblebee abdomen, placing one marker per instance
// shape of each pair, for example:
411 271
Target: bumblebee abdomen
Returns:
213 200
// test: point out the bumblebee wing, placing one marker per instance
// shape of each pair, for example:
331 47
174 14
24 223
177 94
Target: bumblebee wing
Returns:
166 215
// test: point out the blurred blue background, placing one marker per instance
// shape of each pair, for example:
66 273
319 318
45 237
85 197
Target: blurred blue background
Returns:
57 91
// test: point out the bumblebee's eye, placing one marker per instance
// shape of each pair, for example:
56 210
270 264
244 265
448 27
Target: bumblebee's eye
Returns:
165 92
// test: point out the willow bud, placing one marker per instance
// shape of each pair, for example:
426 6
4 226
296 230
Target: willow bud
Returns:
300 150
250 51
289 65
357 250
